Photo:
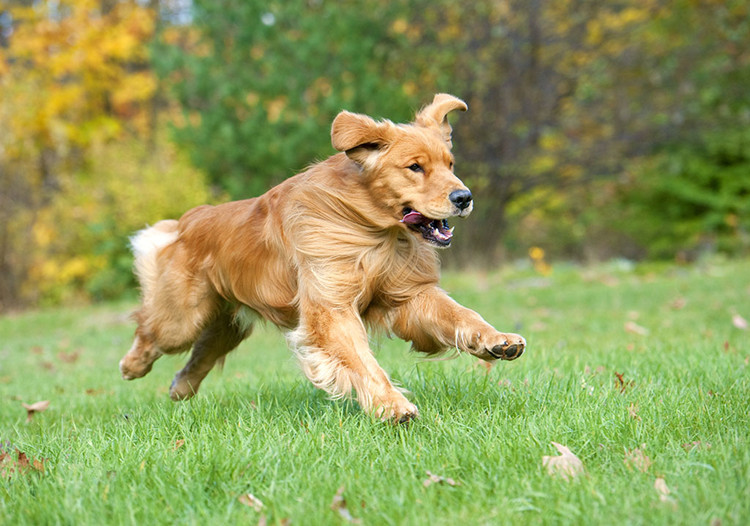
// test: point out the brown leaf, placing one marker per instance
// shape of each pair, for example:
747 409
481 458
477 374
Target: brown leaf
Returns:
678 303
622 385
20 465
179 443
739 322
36 407
633 328
637 459
339 505
696 444
68 357
661 488
250 500
633 412
437 479
567 465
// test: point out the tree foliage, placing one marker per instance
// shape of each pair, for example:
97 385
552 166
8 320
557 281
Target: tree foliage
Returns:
596 129
260 83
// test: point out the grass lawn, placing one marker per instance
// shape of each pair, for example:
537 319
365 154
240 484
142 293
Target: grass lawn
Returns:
642 372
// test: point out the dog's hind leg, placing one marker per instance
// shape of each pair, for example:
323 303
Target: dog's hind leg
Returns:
221 336
178 301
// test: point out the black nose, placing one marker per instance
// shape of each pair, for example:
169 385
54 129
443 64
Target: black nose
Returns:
460 198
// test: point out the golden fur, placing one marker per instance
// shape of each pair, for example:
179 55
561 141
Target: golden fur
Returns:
345 245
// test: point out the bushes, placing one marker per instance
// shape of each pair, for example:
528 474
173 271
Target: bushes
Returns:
692 198
81 239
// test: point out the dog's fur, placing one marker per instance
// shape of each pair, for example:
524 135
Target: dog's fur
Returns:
343 246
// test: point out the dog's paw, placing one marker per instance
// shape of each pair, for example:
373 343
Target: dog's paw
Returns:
505 346
397 411
182 389
132 368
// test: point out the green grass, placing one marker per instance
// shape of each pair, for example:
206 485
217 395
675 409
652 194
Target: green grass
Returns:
260 427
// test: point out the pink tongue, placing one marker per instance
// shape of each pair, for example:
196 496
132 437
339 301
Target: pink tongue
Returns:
413 218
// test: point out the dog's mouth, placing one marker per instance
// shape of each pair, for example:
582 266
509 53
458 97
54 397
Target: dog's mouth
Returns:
435 231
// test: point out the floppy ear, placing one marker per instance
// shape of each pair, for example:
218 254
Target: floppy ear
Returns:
435 114
358 135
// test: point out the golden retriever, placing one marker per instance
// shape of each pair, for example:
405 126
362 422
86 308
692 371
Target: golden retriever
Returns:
346 245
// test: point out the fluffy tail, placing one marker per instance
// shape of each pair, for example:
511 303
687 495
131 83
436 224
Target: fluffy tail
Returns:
146 245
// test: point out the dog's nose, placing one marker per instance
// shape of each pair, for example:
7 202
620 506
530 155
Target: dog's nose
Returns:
460 198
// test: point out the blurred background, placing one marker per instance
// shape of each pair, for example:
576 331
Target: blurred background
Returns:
596 130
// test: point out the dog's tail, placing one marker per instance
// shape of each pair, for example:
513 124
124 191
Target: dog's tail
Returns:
146 245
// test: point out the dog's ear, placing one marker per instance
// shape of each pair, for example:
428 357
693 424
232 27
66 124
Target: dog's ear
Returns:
359 135
435 114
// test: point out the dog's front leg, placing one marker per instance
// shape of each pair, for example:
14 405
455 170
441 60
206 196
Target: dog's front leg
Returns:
335 355
434 322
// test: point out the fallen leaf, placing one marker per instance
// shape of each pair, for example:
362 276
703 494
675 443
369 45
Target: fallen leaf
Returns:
678 303
739 322
637 459
250 500
19 465
633 411
661 488
36 407
622 385
68 357
633 328
339 505
567 465
438 479
696 444
179 443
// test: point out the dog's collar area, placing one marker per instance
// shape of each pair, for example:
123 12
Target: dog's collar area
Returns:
435 231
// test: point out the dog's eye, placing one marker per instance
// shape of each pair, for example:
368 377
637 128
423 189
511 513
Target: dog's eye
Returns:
451 165
416 168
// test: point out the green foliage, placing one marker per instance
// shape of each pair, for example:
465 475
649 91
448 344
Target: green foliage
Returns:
81 237
693 198
260 83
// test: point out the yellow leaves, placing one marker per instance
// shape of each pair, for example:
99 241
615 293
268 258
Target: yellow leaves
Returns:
75 60
274 108
135 88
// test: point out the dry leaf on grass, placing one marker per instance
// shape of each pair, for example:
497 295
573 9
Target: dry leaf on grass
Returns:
739 322
633 411
567 465
437 479
68 357
179 443
637 459
622 385
633 328
661 488
678 303
339 505
696 444
250 500
20 465
36 407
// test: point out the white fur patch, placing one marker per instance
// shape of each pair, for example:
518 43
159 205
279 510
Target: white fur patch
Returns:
153 238
146 245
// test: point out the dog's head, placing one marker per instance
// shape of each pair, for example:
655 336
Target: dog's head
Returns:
409 167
